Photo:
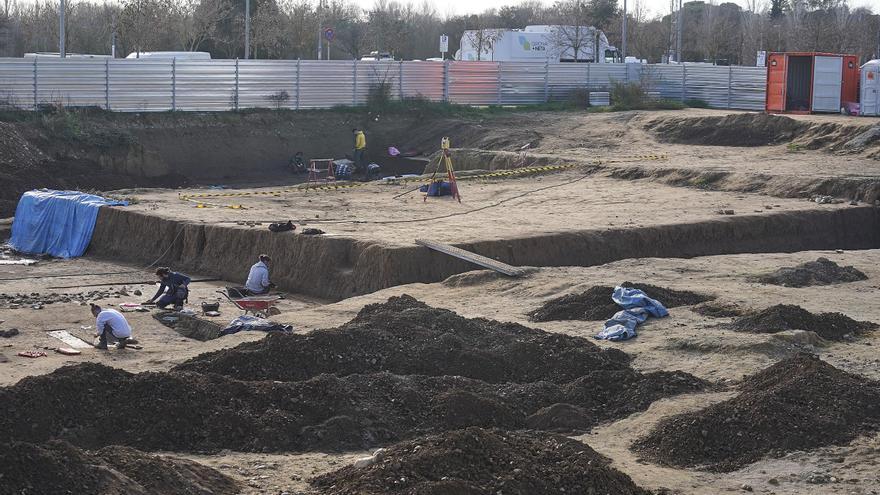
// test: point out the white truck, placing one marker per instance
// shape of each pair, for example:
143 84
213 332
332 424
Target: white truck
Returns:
537 43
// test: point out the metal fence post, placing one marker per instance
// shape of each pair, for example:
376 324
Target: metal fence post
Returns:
107 84
36 105
174 84
298 71
236 85
354 90
498 82
400 81
683 81
729 84
547 80
446 81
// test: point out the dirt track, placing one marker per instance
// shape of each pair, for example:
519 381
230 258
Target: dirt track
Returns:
400 371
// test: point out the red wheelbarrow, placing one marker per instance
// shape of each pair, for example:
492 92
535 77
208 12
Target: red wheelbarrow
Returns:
260 306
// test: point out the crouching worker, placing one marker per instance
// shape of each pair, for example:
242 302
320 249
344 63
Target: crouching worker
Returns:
174 289
110 323
258 278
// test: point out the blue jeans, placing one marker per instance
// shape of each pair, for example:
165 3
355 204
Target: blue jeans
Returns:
176 298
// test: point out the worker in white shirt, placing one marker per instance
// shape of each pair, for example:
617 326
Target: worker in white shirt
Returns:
109 322
258 278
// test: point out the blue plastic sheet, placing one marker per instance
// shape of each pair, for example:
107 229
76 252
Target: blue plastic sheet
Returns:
58 223
637 306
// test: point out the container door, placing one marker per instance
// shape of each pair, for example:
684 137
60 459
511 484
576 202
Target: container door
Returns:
827 83
870 101
776 74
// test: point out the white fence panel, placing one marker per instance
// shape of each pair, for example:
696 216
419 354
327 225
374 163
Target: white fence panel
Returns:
423 80
206 85
665 79
602 75
16 83
326 83
563 79
522 83
71 82
140 85
216 85
748 88
266 84
370 74
709 83
473 83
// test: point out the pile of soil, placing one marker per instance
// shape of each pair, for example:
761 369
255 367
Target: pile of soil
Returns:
718 309
744 129
800 403
831 326
475 461
207 412
19 300
60 468
407 337
595 303
820 272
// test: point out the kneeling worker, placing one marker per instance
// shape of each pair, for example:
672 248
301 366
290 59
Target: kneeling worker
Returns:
110 322
258 278
175 287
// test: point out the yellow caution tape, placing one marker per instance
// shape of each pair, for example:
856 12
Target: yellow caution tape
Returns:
337 187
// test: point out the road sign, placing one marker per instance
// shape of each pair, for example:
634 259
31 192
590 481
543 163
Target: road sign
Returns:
444 43
329 34
761 59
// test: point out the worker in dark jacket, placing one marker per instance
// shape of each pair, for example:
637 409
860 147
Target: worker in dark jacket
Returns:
174 288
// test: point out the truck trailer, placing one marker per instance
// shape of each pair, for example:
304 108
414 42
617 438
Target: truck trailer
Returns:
537 43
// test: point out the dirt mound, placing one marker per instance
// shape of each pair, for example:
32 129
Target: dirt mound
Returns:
477 461
595 303
718 309
831 326
207 412
563 418
60 468
820 272
799 403
743 129
407 337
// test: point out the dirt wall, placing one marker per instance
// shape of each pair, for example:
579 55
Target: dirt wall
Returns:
337 267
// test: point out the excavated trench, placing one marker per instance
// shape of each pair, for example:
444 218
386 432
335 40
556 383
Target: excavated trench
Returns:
336 268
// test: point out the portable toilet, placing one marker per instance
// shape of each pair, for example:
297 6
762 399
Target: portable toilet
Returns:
870 88
805 82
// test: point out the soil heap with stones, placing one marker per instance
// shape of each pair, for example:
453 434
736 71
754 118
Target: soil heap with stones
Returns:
18 300
475 461
60 468
820 272
398 370
782 317
595 303
799 403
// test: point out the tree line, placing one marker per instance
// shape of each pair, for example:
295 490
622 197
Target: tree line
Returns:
722 33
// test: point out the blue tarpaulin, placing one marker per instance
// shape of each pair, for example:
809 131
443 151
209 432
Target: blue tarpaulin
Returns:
58 223
637 306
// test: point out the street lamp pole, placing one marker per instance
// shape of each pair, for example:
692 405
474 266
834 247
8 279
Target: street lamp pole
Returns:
247 29
62 50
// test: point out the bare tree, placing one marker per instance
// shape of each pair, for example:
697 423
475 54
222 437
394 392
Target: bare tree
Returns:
199 20
481 35
572 33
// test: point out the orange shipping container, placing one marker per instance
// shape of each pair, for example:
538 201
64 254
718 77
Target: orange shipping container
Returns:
811 82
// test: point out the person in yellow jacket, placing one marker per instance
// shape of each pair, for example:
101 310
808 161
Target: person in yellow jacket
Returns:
360 147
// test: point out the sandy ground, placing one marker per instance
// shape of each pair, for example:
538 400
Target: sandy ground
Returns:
369 213
684 341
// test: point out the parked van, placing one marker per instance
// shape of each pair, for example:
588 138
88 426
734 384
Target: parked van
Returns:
167 55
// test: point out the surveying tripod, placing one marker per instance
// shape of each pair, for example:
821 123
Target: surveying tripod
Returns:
446 161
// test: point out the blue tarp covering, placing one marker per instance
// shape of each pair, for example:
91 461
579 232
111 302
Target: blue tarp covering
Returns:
637 306
58 223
